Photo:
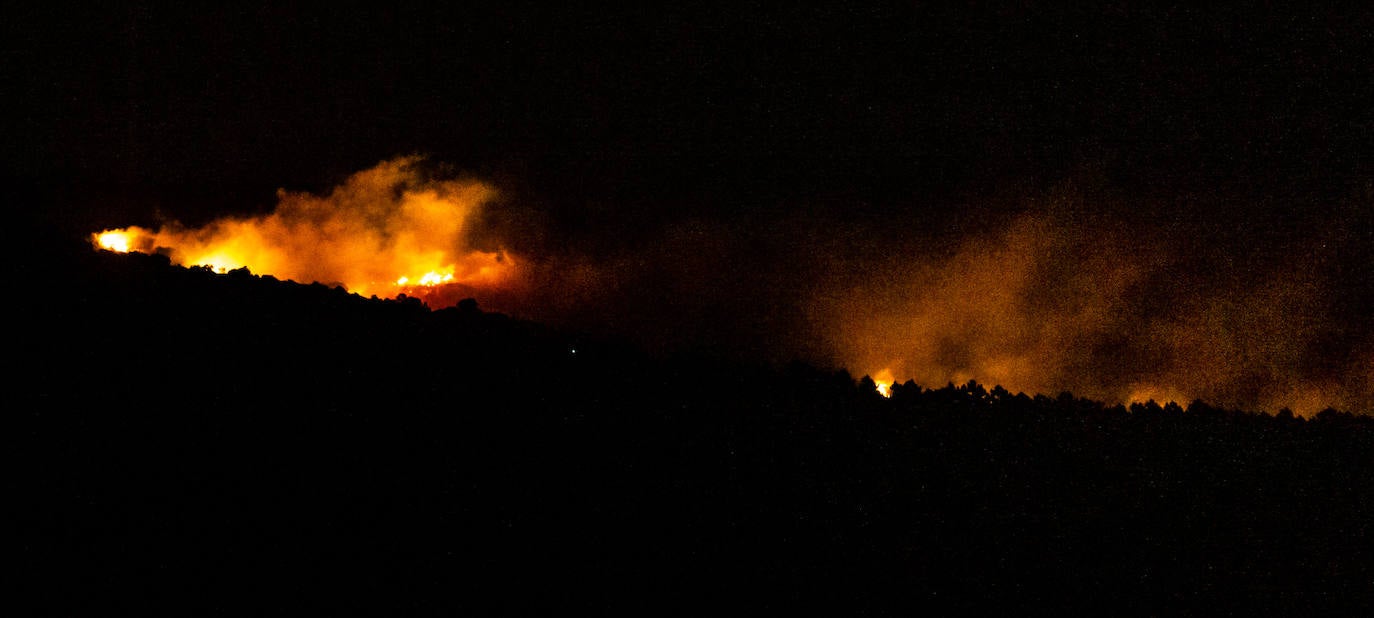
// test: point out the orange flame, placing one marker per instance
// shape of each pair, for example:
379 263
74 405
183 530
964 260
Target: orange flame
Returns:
384 231
883 380
117 240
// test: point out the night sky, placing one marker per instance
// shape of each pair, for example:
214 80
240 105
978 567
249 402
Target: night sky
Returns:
1166 188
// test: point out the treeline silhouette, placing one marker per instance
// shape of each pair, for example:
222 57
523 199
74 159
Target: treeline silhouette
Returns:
203 444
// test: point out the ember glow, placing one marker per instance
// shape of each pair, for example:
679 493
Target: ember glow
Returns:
385 231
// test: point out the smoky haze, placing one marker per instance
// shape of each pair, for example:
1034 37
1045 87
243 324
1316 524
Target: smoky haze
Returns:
1121 201
1038 299
1056 294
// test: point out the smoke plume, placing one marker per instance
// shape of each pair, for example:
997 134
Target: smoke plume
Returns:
385 231
1042 301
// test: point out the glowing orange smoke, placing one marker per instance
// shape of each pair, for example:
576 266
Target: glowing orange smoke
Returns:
385 231
1042 307
1041 302
1145 393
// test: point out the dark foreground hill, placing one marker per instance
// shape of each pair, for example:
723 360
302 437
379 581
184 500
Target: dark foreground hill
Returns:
200 444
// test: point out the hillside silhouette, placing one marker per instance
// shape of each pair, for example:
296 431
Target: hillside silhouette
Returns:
205 444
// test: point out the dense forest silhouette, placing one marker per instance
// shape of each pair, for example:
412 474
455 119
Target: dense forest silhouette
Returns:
234 444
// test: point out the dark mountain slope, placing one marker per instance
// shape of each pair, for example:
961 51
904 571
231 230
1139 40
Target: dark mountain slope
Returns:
194 443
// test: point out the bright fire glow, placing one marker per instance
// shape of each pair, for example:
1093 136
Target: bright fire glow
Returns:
114 240
385 231
883 379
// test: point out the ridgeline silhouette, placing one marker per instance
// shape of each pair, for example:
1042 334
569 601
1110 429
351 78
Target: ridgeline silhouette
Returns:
236 444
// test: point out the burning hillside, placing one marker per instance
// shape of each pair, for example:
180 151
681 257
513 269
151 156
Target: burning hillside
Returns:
1037 303
385 231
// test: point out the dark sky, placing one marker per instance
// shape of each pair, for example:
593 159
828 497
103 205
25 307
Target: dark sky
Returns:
713 108
1236 136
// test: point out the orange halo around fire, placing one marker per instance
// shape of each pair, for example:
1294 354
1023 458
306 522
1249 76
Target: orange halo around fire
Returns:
383 232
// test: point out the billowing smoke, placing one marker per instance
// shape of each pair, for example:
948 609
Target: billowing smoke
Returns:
1043 301
1041 304
386 231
